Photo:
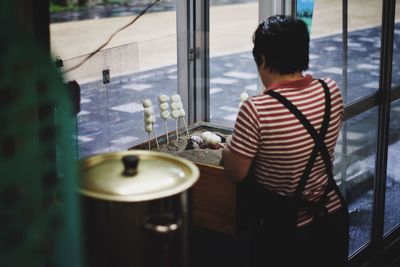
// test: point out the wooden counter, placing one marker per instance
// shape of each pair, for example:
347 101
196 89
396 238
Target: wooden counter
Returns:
214 198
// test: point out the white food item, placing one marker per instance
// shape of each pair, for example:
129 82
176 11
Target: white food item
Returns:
175 114
148 111
176 105
206 136
164 106
182 113
148 128
150 119
146 103
162 98
215 139
243 96
165 114
175 98
196 139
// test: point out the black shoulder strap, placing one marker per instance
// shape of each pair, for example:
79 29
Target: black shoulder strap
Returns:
317 137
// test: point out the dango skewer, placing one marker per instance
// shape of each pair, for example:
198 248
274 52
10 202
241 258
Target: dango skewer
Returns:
149 120
164 112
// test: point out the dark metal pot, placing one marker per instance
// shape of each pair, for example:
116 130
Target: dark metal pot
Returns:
135 208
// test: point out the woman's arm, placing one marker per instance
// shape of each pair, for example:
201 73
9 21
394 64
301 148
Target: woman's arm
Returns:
236 166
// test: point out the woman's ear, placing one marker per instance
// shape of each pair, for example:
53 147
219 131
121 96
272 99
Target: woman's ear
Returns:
262 65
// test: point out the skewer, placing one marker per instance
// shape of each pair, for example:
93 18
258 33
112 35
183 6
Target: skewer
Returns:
155 136
176 105
182 115
186 127
243 96
164 112
177 132
148 118
166 131
149 141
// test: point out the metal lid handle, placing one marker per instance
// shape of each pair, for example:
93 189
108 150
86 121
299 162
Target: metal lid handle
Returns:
130 165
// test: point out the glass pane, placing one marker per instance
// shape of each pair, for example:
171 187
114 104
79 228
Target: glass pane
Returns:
92 133
326 51
396 48
364 36
355 170
123 105
141 59
232 68
392 203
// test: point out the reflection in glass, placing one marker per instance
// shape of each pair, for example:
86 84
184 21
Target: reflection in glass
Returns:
355 170
232 68
392 203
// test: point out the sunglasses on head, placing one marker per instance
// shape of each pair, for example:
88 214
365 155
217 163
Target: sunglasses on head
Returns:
271 21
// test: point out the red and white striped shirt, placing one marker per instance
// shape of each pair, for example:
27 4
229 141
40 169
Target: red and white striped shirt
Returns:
280 146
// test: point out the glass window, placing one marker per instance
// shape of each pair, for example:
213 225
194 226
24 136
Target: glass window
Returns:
326 41
232 68
355 171
364 44
392 203
364 37
396 48
141 61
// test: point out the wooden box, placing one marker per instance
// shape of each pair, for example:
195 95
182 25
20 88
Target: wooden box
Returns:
214 198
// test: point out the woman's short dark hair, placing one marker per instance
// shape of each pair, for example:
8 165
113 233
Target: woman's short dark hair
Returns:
284 43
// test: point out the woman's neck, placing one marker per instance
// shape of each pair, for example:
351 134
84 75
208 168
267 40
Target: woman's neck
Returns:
276 77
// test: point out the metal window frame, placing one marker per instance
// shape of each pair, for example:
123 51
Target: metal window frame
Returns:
385 81
380 243
193 58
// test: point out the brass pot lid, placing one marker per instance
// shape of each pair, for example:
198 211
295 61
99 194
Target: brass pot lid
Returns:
146 175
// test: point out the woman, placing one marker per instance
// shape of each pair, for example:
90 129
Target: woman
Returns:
283 144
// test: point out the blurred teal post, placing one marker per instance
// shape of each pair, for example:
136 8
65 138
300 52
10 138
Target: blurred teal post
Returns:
304 11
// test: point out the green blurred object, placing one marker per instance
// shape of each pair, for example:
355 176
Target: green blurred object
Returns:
304 11
39 212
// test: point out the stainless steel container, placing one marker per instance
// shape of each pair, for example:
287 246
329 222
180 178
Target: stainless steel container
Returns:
135 208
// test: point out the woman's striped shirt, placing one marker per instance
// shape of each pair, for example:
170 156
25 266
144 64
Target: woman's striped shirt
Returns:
280 146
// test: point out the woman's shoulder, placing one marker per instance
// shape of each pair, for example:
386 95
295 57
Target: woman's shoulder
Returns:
329 81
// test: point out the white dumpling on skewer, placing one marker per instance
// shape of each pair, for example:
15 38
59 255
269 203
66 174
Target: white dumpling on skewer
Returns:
165 115
163 98
244 96
148 128
175 98
182 113
176 105
164 112
150 119
175 114
146 103
148 111
164 106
